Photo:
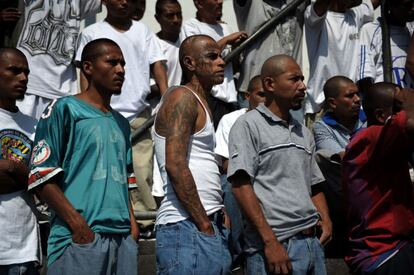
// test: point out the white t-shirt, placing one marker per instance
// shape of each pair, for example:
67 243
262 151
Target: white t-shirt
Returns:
370 54
333 47
140 48
170 51
226 91
19 233
223 131
48 40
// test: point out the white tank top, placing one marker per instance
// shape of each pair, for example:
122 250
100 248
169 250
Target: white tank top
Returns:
203 167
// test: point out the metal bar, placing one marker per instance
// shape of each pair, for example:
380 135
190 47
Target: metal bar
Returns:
145 215
236 52
263 29
141 129
386 44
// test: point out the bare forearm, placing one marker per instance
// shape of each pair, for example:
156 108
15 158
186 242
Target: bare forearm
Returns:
13 176
134 225
319 201
249 204
54 197
186 191
160 76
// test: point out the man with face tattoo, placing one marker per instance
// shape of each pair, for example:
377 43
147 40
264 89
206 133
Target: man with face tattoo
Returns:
191 236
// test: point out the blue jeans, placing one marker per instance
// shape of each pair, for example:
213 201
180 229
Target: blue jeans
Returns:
306 255
181 249
107 254
28 268
233 211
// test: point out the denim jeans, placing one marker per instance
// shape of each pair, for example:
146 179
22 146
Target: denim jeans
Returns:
107 254
182 249
28 268
233 211
306 255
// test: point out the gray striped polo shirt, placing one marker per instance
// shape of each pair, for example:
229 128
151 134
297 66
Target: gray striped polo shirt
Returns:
280 159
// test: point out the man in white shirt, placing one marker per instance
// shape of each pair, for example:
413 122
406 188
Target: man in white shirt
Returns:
169 16
332 30
48 40
19 233
400 12
143 56
208 22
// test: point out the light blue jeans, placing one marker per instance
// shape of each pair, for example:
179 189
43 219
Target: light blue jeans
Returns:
181 249
107 254
306 255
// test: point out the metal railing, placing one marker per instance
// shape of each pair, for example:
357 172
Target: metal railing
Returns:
264 29
386 44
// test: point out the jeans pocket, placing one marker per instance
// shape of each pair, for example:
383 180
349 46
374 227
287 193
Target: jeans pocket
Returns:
167 248
208 236
86 245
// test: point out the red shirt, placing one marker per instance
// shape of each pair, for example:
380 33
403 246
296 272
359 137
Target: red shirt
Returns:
378 193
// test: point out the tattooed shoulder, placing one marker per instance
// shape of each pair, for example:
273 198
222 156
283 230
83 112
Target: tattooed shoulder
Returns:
178 113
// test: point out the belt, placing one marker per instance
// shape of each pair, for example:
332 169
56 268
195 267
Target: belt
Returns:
217 217
310 231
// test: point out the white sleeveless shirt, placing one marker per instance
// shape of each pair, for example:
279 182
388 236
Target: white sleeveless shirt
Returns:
203 167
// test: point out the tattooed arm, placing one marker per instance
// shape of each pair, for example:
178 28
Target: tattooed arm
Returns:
176 121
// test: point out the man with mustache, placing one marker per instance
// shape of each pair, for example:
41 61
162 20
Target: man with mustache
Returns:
276 179
81 167
208 22
191 236
332 133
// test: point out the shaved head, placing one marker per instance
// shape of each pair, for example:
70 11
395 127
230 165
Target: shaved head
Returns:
378 96
334 84
192 53
275 65
6 52
191 46
255 84
96 48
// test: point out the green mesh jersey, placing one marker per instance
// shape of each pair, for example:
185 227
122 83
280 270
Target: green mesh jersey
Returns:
88 152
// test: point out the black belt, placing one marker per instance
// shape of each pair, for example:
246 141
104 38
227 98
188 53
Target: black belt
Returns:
310 232
217 217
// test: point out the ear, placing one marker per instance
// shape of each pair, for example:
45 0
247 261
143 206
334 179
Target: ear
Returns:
331 103
268 84
380 115
157 18
247 96
87 68
189 63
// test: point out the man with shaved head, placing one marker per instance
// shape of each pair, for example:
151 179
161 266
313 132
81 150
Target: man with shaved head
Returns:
19 241
342 119
82 168
377 186
191 236
276 179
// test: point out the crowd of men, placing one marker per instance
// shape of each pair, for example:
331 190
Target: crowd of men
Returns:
234 174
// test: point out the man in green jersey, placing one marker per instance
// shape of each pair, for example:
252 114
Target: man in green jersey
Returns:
81 166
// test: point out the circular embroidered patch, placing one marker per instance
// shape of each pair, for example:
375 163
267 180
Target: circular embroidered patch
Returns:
41 152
